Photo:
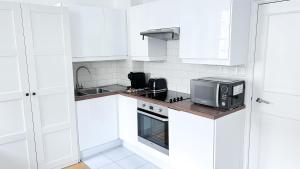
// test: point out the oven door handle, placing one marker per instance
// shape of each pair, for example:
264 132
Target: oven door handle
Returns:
152 116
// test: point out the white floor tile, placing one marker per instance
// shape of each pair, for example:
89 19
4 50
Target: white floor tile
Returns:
98 161
118 154
148 166
131 162
111 166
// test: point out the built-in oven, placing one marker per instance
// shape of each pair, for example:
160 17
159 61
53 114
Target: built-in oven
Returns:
153 126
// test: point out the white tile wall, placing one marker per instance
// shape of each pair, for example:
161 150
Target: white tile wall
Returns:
179 75
106 72
102 73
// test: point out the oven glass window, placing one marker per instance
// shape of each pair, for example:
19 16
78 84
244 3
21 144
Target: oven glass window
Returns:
153 130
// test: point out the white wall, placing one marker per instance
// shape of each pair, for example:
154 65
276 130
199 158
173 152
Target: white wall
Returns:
179 75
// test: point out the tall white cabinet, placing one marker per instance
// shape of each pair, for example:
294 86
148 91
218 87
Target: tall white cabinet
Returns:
17 148
37 116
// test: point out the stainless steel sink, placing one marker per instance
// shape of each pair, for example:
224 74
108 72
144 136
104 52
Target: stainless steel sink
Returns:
90 91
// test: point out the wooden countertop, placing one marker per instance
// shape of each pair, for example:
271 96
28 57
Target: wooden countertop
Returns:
185 106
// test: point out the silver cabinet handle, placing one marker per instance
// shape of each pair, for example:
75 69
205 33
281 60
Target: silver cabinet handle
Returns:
260 100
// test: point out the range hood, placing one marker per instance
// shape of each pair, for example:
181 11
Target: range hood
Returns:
163 34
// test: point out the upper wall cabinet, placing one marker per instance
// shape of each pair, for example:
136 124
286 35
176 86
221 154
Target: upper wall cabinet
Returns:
98 34
154 15
214 32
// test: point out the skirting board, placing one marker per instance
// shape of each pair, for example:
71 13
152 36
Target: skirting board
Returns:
85 154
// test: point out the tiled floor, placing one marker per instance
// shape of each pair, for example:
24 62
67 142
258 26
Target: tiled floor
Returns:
119 158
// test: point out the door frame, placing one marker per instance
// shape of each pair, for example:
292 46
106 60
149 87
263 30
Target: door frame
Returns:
250 151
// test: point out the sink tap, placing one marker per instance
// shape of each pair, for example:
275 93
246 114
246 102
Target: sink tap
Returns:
77 70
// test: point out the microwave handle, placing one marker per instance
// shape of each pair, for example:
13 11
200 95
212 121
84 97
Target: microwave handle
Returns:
217 95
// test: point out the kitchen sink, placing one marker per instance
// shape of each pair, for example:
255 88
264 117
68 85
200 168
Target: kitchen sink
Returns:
90 91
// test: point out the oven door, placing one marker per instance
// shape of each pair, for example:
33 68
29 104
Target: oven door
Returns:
153 130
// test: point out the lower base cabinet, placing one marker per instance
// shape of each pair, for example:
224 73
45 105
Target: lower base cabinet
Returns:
128 130
195 142
201 143
191 140
97 121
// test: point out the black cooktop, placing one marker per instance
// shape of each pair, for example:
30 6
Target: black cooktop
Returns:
168 96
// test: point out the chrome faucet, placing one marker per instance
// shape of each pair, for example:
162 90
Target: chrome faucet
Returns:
77 70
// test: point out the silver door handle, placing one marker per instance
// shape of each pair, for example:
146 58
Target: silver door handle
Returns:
260 100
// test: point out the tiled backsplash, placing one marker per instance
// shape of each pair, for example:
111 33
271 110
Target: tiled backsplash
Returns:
106 72
177 74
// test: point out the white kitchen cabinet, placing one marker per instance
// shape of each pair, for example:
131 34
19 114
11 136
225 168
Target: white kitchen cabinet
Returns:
17 147
48 51
214 32
97 121
191 140
128 130
154 15
38 125
98 33
196 142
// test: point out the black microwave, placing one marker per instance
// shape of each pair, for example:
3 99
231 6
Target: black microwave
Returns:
218 92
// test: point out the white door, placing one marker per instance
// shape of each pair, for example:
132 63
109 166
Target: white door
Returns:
17 148
47 43
276 119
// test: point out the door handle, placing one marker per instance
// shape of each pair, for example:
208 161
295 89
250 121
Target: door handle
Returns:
260 100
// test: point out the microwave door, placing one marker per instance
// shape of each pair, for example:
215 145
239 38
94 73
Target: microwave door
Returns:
206 93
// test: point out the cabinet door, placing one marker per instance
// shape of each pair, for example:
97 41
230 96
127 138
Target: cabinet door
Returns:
17 148
128 130
97 121
47 43
87 31
191 140
136 24
205 29
115 33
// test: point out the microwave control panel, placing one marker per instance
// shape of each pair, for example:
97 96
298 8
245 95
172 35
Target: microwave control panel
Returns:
224 91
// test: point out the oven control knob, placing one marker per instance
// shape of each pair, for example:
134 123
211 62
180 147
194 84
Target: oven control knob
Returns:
224 89
178 99
160 110
181 98
144 105
174 100
171 101
151 107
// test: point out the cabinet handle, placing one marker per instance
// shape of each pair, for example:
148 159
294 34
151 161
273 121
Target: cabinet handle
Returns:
27 94
33 93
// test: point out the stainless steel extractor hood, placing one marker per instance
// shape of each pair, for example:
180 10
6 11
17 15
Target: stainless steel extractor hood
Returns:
163 34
